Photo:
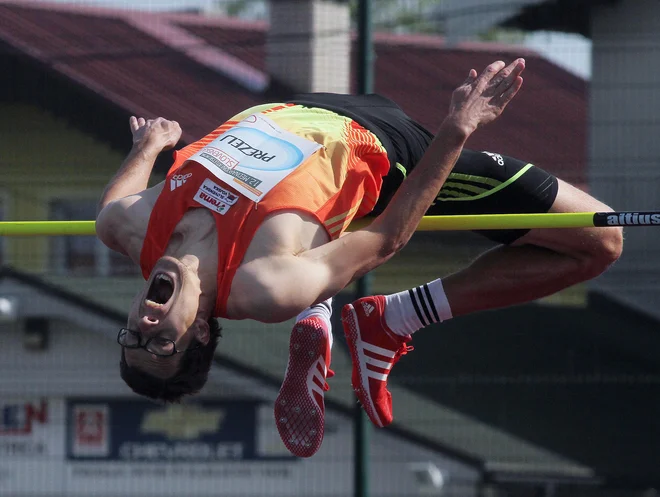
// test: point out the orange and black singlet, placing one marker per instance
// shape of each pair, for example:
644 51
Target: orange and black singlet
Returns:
336 183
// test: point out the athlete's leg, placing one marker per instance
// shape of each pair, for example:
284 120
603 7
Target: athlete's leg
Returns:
527 266
540 263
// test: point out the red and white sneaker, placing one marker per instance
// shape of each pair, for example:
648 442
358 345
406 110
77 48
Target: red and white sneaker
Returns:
374 350
299 407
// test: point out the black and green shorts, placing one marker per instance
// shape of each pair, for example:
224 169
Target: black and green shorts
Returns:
480 183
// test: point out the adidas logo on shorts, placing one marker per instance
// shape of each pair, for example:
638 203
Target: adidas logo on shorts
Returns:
496 157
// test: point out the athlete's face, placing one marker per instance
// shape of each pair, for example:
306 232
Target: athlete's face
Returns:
166 309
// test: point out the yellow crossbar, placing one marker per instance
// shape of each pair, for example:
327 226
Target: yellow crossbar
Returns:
428 223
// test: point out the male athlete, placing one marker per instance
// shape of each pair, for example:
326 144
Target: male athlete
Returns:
250 224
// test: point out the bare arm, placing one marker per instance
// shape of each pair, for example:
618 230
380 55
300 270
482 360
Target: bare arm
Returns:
114 223
149 139
291 283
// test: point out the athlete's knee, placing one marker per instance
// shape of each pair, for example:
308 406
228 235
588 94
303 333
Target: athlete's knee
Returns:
604 250
595 248
610 245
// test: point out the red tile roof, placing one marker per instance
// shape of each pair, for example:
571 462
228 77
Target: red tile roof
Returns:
200 70
545 123
107 53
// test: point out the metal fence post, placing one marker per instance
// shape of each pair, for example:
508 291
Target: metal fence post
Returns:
361 424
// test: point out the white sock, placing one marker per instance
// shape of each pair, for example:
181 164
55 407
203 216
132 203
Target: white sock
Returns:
322 310
408 311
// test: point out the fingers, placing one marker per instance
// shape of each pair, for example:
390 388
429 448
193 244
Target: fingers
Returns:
160 130
472 75
136 122
502 100
488 74
506 77
162 122
497 77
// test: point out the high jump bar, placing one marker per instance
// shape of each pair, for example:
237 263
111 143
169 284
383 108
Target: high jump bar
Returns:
428 223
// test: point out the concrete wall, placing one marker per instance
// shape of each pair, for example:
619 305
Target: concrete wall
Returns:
309 45
624 145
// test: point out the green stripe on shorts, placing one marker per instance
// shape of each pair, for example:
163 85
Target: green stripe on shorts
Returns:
448 192
451 193
475 179
464 186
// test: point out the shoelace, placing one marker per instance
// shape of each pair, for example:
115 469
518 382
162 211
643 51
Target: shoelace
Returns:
403 350
330 374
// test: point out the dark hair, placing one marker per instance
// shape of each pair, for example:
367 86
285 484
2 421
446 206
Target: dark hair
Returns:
188 380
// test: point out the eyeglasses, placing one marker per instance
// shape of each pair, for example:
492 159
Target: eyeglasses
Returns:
162 347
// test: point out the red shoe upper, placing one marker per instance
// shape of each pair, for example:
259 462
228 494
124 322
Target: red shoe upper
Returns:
375 348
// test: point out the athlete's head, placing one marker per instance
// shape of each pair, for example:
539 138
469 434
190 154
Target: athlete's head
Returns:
170 338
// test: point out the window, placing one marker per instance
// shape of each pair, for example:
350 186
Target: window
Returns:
84 255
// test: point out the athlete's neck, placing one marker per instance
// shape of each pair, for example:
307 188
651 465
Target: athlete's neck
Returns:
199 259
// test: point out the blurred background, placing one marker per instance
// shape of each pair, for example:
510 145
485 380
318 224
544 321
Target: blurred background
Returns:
557 398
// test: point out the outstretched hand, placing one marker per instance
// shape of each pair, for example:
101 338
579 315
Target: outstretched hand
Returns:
156 134
482 98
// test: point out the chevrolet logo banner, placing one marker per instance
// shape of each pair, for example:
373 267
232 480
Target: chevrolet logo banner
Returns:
129 430
183 422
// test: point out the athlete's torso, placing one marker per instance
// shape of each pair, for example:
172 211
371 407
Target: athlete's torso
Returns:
311 205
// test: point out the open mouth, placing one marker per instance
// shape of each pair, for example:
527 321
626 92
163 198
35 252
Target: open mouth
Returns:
161 289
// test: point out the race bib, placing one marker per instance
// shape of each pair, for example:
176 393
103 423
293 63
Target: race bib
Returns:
255 155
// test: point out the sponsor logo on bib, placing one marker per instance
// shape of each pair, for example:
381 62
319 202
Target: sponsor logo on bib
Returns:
215 197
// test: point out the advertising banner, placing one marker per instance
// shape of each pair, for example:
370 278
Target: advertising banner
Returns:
125 430
114 446
31 445
205 447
